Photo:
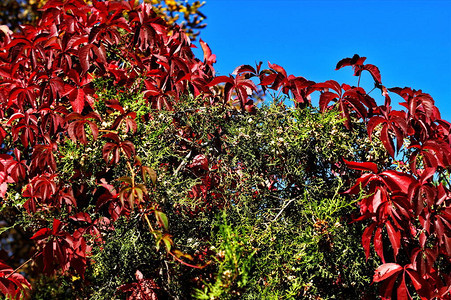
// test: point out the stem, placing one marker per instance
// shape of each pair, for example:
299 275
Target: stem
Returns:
150 225
129 165
106 130
22 265
283 208
187 264
182 164
371 91
358 82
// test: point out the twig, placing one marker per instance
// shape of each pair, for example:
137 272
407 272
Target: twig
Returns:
183 163
150 225
187 264
283 208
167 270
22 265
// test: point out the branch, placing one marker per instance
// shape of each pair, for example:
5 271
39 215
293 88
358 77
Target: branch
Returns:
283 208
187 264
183 163
22 265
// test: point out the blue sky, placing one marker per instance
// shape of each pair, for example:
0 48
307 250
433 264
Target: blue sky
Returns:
410 41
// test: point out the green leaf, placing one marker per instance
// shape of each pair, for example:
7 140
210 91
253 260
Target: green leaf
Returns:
149 173
4 229
167 242
126 179
162 219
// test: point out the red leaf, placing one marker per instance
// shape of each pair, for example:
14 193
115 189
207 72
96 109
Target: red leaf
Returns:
366 239
426 174
269 79
386 270
374 71
363 166
221 79
416 279
81 216
372 123
361 182
325 98
402 292
355 60
78 100
387 141
41 234
394 236
209 58
3 134
56 226
397 181
378 245
83 55
244 69
278 69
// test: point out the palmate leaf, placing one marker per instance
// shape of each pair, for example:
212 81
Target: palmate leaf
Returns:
76 128
357 64
355 60
132 193
71 41
144 288
149 173
112 152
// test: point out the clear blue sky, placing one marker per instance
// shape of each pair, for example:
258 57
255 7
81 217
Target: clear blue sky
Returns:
410 41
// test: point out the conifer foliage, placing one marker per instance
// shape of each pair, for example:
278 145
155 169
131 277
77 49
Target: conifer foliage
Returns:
76 93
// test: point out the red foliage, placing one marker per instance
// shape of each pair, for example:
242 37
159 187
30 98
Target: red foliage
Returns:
143 289
11 284
47 95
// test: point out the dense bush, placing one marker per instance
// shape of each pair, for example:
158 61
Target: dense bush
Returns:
130 171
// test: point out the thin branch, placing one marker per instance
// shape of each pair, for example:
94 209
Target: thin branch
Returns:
183 163
283 208
187 264
22 265
371 91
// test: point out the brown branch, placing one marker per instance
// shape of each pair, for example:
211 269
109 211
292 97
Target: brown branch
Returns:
22 265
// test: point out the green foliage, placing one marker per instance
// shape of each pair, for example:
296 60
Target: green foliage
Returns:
273 243
272 225
234 259
130 246
312 252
